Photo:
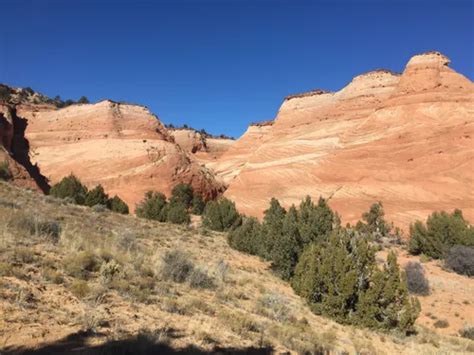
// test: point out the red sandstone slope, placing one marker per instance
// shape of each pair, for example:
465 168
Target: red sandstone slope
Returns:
407 140
123 147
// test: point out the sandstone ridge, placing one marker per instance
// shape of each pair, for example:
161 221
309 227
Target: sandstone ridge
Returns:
404 139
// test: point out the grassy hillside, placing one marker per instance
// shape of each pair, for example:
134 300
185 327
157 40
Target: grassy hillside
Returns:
92 281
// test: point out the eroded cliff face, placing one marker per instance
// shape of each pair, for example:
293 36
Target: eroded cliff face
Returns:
14 151
123 147
406 140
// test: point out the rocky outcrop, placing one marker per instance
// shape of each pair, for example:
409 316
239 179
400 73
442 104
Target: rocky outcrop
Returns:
190 140
406 140
14 149
121 146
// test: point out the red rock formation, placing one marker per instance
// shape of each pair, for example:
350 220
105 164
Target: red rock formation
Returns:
123 147
406 140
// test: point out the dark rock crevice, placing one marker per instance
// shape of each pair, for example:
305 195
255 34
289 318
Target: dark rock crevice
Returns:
20 149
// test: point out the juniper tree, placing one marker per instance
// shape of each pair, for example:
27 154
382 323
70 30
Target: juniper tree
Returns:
116 204
70 186
287 247
386 304
375 222
182 193
221 215
442 231
315 221
96 196
152 206
198 204
272 227
247 237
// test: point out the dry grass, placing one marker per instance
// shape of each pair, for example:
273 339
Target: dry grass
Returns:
104 273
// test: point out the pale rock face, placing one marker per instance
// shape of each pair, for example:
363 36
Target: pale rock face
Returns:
123 147
232 161
190 140
405 140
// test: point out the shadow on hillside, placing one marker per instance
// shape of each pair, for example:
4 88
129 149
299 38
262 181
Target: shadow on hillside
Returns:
77 343
21 152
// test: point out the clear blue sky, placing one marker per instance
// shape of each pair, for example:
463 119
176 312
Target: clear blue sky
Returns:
219 65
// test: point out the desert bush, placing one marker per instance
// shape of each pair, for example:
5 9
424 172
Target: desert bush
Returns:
461 260
182 194
441 323
109 270
467 332
152 206
198 205
416 281
200 278
176 266
80 288
441 231
221 215
37 226
52 275
70 187
5 173
274 306
81 265
177 213
23 255
116 204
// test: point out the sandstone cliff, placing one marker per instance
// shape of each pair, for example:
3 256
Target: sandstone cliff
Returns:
404 139
123 147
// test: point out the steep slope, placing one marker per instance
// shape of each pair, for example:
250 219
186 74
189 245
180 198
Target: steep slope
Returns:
96 285
406 140
123 147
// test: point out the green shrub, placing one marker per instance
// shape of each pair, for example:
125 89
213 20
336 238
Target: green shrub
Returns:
198 205
70 187
247 237
271 227
315 221
375 223
286 248
182 194
441 232
221 215
340 279
152 206
116 204
460 259
177 213
5 173
96 196
176 266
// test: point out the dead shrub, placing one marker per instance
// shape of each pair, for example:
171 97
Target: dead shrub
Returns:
199 278
416 281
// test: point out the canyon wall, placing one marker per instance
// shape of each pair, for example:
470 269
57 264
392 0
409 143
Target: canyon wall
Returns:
404 139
